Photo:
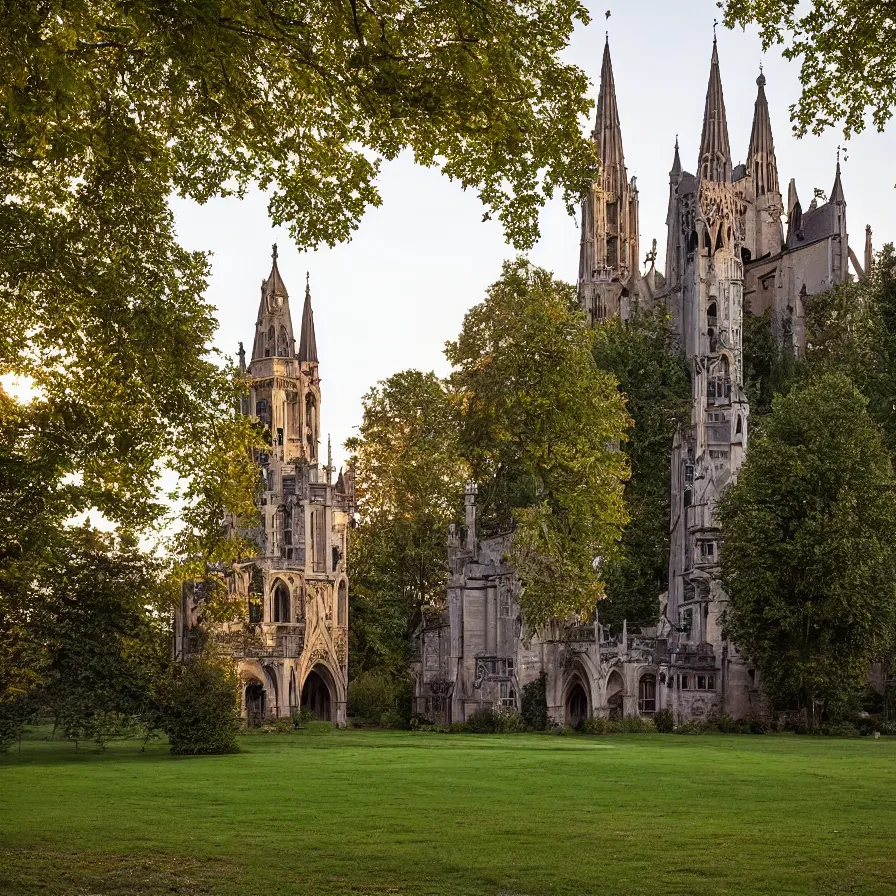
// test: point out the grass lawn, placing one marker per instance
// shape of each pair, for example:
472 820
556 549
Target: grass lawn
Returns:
377 812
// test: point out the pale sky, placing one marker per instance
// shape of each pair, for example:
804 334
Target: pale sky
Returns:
390 298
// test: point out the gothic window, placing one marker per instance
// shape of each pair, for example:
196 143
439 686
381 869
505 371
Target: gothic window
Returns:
270 348
342 604
647 694
739 428
684 682
281 603
319 540
712 317
284 343
256 611
504 598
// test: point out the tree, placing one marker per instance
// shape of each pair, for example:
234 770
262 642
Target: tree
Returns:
197 707
109 108
409 483
104 651
852 329
539 426
655 382
768 369
809 546
848 51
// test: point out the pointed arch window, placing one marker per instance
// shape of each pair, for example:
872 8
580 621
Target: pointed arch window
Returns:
342 604
281 603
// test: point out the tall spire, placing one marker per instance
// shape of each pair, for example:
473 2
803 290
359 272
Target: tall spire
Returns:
307 340
837 189
607 133
715 151
761 162
273 327
676 163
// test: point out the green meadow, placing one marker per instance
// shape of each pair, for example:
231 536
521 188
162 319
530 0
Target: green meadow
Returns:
380 812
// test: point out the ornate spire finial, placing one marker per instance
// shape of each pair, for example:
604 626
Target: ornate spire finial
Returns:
715 25
274 251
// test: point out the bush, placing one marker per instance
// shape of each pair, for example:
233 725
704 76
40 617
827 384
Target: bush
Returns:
534 703
625 725
495 721
664 721
197 708
370 695
392 718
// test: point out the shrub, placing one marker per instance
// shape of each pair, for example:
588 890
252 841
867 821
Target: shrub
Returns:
534 703
370 695
197 708
495 721
625 725
392 718
483 721
664 721
595 725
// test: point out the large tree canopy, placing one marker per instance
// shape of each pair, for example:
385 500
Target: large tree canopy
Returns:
409 482
540 426
848 52
655 382
106 108
809 546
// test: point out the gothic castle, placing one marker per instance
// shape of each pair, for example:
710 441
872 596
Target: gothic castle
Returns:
727 254
294 651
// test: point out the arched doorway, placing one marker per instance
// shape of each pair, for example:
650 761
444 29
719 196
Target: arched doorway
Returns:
255 703
615 690
576 704
317 695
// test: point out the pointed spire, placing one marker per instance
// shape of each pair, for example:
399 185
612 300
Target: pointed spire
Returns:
761 161
837 189
273 327
715 150
607 132
307 339
675 173
869 251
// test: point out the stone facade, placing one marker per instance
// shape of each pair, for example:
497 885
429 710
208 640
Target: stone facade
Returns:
727 254
295 650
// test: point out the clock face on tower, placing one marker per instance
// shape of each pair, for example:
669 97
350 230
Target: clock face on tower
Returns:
275 302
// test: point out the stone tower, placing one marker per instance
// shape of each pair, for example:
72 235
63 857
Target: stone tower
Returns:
705 279
295 652
609 276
